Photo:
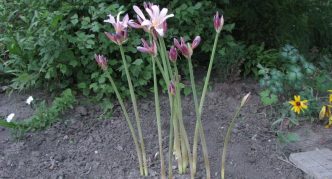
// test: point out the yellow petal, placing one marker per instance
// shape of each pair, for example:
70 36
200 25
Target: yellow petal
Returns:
292 103
297 98
322 112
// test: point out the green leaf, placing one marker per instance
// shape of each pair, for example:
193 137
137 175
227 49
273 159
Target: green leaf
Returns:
138 62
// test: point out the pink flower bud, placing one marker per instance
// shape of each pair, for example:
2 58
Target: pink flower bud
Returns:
171 88
146 48
101 61
218 22
173 54
196 42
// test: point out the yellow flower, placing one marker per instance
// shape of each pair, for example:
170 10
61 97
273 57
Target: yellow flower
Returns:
298 105
330 123
325 112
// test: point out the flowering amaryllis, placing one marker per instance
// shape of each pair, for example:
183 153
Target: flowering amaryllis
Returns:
218 22
187 49
157 21
148 48
121 35
101 61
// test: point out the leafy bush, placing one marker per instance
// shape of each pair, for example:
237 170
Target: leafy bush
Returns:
45 116
303 23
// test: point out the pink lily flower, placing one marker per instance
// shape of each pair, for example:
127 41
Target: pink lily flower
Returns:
157 18
101 61
121 35
150 49
218 22
187 49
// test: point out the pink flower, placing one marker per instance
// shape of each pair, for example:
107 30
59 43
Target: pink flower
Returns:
118 25
173 54
101 61
157 18
150 49
118 38
121 35
187 49
171 88
218 22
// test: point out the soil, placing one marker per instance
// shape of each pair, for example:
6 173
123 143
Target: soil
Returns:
83 146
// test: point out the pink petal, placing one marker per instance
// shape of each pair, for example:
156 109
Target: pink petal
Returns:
139 12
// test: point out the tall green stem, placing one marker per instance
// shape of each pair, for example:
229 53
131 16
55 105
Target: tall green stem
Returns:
138 120
228 136
157 106
200 127
131 128
185 147
207 79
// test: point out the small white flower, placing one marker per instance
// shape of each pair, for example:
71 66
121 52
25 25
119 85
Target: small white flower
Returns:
29 100
10 117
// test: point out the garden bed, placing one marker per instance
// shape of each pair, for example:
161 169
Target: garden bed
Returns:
83 146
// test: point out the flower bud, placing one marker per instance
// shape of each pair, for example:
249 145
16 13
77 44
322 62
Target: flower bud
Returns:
173 54
101 61
196 42
218 22
171 88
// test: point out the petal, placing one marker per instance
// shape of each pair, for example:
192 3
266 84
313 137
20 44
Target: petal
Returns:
322 112
125 20
163 13
139 12
166 17
160 31
143 50
146 23
297 98
155 10
110 19
149 12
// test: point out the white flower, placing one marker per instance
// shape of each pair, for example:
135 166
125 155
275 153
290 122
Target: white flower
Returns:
10 117
157 18
29 100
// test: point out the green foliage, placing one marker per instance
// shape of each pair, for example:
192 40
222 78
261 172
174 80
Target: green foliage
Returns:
293 74
45 116
268 98
287 137
304 23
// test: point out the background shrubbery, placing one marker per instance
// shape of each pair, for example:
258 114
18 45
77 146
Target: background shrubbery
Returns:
51 43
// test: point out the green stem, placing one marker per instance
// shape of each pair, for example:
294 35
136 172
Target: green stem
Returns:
207 79
184 142
138 120
164 52
200 128
131 128
228 136
157 106
170 144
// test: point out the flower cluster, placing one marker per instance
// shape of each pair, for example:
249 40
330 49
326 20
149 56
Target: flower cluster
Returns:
153 21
